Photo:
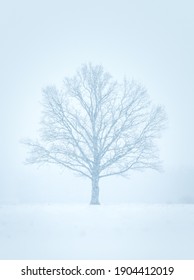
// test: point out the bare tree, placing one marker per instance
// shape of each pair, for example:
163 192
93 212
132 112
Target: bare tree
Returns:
98 127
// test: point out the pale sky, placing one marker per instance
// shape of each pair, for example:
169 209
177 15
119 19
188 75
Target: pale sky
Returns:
44 41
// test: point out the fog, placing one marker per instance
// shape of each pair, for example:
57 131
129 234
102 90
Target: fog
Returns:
44 41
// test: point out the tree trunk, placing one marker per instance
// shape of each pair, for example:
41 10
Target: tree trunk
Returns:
95 191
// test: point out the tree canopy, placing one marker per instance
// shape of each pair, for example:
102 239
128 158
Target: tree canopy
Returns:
98 127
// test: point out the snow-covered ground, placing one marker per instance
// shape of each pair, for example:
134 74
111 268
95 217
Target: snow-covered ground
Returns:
133 231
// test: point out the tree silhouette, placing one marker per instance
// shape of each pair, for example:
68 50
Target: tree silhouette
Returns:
98 127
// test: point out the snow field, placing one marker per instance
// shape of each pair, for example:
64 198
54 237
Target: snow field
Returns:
133 231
